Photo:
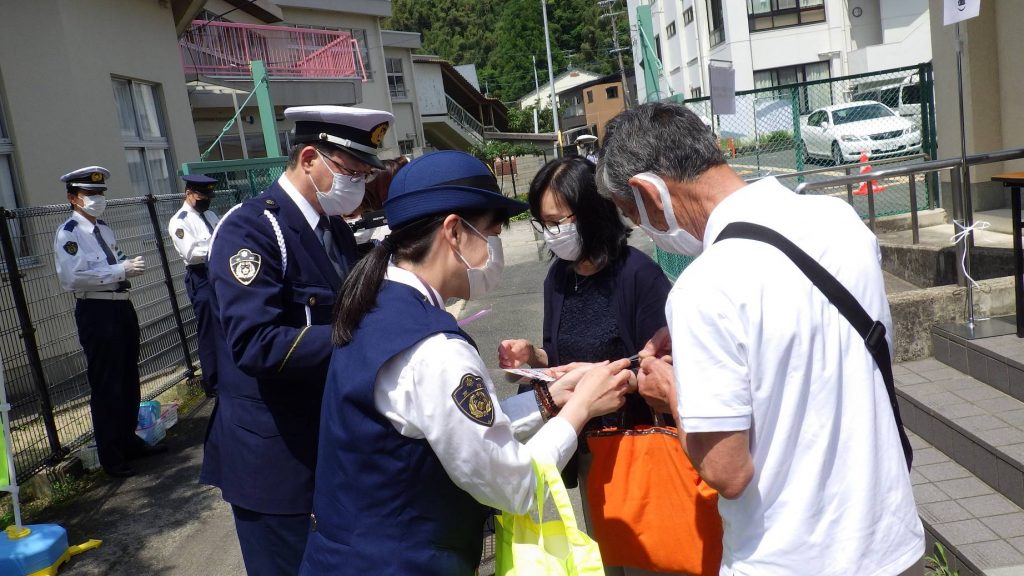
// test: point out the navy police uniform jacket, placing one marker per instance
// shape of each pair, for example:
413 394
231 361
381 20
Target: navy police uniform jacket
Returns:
275 290
384 503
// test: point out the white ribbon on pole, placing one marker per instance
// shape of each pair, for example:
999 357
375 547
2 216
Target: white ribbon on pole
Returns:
962 236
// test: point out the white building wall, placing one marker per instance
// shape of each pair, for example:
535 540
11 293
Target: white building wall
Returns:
430 88
887 34
59 95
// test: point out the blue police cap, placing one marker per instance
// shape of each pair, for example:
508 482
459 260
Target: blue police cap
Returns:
445 181
200 183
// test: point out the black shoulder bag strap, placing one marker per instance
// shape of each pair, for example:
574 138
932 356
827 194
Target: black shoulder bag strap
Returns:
872 331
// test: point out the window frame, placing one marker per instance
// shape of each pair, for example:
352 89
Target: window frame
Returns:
716 35
396 78
147 146
7 151
688 16
800 74
670 30
802 9
611 93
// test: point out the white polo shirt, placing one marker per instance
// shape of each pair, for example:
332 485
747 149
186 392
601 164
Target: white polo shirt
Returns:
756 346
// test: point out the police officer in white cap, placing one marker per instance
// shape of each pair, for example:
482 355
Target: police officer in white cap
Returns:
190 230
276 263
90 265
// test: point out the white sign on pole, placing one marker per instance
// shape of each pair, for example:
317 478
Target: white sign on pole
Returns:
959 10
723 89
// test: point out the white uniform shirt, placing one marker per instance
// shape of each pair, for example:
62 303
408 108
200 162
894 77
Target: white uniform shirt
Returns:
414 391
81 263
757 347
190 235
310 213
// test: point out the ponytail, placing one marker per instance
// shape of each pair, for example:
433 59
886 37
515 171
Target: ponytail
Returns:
359 291
410 243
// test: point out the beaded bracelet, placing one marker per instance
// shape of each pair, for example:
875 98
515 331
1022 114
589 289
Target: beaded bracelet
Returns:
544 399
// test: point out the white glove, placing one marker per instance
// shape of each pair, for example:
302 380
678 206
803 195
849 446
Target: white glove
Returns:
134 267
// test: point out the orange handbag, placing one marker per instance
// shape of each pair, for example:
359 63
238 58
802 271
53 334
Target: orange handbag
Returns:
649 508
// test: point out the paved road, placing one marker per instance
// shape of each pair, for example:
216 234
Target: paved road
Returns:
162 522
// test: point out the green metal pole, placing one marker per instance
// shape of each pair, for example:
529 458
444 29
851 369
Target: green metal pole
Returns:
795 97
267 122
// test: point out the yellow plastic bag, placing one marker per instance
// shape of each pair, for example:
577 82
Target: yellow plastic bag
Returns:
525 547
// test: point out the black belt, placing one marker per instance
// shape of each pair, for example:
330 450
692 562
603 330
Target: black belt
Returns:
196 267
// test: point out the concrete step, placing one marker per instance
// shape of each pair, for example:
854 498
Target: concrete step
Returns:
999 219
978 525
965 408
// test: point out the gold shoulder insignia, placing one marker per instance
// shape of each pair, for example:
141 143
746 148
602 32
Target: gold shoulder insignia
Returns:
245 265
473 400
179 233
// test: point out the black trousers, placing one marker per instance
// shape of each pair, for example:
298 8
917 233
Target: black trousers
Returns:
200 292
108 331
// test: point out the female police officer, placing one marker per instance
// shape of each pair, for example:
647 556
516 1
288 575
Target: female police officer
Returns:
414 446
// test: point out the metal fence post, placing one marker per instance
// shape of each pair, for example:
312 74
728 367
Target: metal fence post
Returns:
169 282
928 97
28 334
795 99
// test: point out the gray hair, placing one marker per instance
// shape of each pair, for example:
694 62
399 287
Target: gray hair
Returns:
666 139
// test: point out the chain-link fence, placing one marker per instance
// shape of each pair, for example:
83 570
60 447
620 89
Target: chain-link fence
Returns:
43 362
828 127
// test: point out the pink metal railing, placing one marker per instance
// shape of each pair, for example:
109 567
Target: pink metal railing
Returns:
224 49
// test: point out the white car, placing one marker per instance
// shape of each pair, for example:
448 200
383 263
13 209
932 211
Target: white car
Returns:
842 132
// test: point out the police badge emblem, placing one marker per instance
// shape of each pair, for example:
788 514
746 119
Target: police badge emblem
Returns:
179 233
473 400
71 247
245 265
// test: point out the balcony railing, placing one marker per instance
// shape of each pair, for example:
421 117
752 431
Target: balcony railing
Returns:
463 118
224 49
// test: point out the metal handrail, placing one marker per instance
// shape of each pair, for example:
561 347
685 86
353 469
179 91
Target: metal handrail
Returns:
846 167
923 167
955 165
463 117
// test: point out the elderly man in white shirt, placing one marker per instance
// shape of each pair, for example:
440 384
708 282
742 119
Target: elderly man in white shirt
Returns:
782 407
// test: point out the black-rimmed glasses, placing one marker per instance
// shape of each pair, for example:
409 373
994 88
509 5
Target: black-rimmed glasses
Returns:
355 176
549 227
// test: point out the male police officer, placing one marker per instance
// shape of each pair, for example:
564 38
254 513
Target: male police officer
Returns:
90 264
276 263
190 230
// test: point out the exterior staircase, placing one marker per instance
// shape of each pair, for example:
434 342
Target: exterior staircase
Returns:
965 408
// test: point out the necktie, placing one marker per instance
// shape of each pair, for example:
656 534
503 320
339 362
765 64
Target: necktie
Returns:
202 216
327 239
124 284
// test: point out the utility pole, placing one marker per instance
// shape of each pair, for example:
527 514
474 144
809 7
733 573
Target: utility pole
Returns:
551 80
536 90
618 51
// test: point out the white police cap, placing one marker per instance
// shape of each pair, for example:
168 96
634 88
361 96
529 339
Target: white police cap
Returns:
358 131
88 178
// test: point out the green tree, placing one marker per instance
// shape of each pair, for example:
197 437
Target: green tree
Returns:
502 36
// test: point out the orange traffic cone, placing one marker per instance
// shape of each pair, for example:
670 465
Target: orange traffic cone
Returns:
875 186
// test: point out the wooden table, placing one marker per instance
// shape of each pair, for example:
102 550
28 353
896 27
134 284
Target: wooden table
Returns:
1014 181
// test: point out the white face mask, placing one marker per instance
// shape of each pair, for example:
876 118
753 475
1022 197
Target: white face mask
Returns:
565 244
94 205
675 239
345 195
484 279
